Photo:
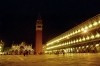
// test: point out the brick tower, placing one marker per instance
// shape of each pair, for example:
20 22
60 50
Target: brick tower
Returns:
38 45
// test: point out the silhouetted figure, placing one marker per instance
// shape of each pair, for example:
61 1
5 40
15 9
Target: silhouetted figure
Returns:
63 52
57 52
24 53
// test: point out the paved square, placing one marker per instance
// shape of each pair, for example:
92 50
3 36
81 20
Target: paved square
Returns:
70 59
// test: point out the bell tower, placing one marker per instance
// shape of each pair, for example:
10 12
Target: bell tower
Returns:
38 45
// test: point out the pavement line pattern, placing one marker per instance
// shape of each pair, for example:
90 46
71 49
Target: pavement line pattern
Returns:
20 58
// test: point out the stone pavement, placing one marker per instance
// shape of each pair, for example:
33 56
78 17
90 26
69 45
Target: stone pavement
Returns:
70 59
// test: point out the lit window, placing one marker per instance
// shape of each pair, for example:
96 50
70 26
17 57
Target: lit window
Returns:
82 29
87 38
80 40
92 36
87 46
86 27
85 31
83 39
99 21
76 40
95 23
79 30
90 25
76 31
82 46
97 35
97 45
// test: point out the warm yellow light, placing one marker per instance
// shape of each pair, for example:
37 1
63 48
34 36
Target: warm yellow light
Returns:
82 29
76 31
86 27
95 23
67 43
71 49
97 45
73 33
90 25
57 40
71 42
87 46
80 39
99 21
79 30
85 31
97 35
76 40
82 46
92 36
87 38
0 47
83 39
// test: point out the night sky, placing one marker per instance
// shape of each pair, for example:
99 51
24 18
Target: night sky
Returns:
18 17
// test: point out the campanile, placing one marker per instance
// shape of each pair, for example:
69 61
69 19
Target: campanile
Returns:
38 45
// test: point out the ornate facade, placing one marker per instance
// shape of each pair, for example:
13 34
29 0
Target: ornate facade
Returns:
83 38
21 48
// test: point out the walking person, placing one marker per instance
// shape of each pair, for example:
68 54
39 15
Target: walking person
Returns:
24 53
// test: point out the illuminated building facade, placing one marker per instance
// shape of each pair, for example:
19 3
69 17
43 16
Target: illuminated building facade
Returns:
20 49
38 45
83 38
1 46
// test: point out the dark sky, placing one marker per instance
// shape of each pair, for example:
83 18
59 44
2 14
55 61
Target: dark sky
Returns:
17 17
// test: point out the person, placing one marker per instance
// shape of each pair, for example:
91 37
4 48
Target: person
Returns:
63 52
24 53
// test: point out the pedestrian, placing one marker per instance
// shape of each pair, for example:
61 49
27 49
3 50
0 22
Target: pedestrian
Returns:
24 53
63 52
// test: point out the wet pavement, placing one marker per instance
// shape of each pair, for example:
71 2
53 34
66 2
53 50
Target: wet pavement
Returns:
70 59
